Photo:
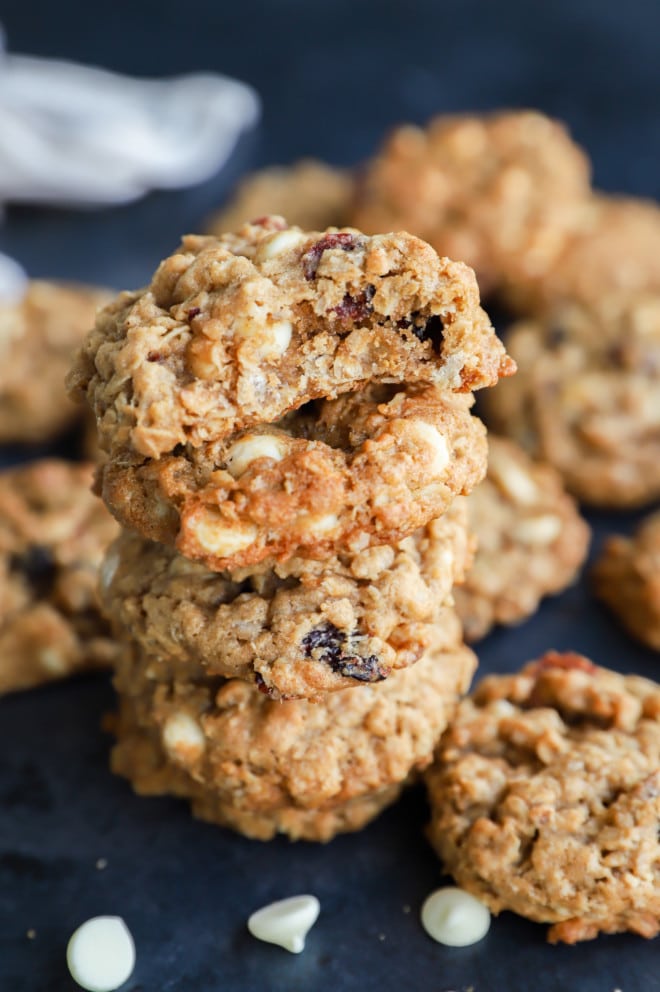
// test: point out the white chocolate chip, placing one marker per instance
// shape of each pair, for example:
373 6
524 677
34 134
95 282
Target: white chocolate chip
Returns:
286 922
219 538
512 479
320 524
52 661
428 436
108 568
251 447
538 531
183 737
101 954
454 917
277 243
268 340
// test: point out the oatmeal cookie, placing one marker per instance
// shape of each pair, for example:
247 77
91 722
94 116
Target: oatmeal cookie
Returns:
546 797
498 191
531 540
238 330
265 767
53 534
37 339
586 398
348 473
615 248
299 629
310 194
627 578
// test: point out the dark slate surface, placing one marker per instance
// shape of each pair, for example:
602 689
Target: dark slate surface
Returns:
333 76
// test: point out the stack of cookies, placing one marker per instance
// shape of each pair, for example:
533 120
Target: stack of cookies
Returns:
286 418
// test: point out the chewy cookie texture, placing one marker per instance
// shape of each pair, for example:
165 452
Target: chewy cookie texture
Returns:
265 767
299 629
627 578
545 797
238 330
365 469
53 534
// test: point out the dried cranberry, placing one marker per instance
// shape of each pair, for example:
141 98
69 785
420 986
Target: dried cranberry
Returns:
356 308
433 330
155 356
194 312
37 564
327 642
312 257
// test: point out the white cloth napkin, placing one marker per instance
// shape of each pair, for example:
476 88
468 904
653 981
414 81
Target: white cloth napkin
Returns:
74 135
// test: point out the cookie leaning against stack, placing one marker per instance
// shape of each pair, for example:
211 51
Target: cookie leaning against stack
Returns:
286 417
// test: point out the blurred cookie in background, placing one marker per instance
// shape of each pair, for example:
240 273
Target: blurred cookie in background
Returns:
38 335
531 540
53 535
627 578
309 194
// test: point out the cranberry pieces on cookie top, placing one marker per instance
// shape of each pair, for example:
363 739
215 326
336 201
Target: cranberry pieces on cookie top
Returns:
238 330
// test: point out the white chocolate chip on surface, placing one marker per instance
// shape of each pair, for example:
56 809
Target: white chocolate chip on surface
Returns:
277 243
454 917
426 435
276 339
101 954
538 531
511 478
219 538
253 446
286 922
318 523
183 737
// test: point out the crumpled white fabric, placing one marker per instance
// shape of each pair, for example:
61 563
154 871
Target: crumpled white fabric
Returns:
73 135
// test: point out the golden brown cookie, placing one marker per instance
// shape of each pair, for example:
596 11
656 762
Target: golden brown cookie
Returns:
545 797
365 469
531 540
38 336
299 629
498 191
296 767
310 194
614 249
586 398
53 534
237 331
627 578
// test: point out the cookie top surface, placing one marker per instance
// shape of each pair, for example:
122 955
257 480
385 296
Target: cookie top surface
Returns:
257 754
299 629
38 336
531 540
238 330
53 534
310 194
498 191
365 469
586 398
546 797
627 578
615 248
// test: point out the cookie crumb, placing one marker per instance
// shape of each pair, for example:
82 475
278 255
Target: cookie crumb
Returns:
31 934
101 863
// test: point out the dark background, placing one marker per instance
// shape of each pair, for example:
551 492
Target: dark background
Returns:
333 77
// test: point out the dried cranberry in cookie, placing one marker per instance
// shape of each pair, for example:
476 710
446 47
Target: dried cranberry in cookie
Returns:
300 628
236 331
